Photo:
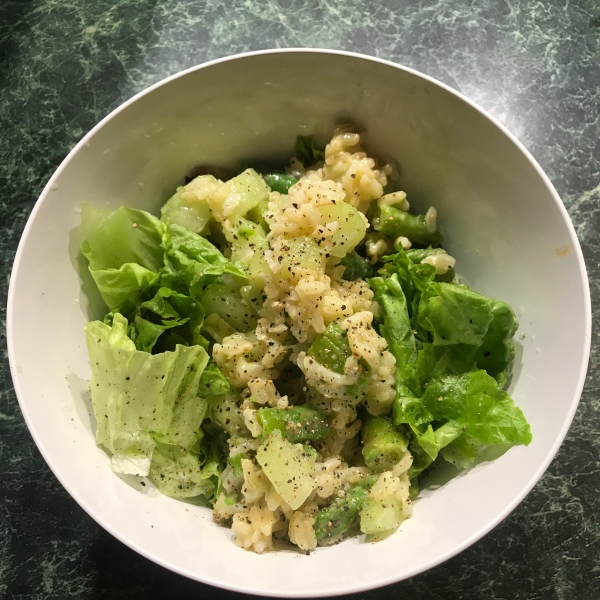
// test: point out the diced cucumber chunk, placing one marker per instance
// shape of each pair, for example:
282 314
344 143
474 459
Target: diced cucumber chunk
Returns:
300 253
188 206
248 189
286 468
352 227
220 299
379 516
248 246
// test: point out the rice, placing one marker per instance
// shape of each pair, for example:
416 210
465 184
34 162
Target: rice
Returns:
303 294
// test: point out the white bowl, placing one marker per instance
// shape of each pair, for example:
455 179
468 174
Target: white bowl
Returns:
503 221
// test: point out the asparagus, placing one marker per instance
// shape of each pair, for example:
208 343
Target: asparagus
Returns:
395 223
297 424
383 445
331 348
279 182
336 518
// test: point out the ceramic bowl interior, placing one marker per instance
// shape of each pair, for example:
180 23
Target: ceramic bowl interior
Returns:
503 222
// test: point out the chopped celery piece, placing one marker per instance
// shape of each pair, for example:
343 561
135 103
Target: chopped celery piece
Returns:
248 190
299 254
248 246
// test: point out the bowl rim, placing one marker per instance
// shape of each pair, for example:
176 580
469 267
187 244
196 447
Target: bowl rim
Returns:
352 588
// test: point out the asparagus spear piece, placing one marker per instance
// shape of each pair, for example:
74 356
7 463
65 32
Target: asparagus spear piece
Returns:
395 223
297 423
383 445
331 348
340 514
279 182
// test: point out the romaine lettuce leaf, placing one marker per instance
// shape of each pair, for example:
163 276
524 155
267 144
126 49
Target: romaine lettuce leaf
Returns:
140 398
125 284
474 402
397 330
307 151
126 235
395 327
178 473
191 262
414 280
477 330
442 336
357 267
213 382
462 452
123 249
160 323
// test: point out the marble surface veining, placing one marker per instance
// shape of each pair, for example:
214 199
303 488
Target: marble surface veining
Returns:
534 65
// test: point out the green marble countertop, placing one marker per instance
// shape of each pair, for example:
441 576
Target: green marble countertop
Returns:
534 65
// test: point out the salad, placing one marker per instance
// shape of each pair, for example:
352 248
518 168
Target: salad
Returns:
293 348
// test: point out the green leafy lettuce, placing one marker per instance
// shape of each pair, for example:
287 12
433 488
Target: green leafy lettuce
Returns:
453 350
123 249
307 151
139 398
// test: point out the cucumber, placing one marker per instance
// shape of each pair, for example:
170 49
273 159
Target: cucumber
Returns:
248 190
229 305
286 468
379 516
188 206
352 227
248 246
300 253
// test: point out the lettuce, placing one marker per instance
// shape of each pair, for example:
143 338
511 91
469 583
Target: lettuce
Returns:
191 262
453 350
126 235
213 382
397 330
123 249
140 399
476 331
178 473
168 318
474 402
357 267
131 253
307 151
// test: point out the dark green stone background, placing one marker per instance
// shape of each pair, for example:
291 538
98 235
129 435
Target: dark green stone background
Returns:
534 65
